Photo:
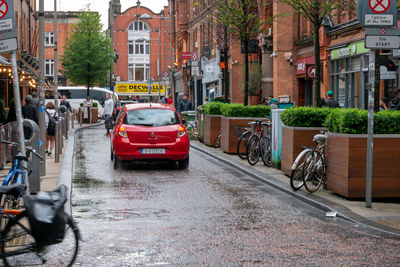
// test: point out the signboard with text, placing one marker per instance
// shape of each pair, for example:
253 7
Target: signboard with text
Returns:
8 33
138 89
186 55
377 13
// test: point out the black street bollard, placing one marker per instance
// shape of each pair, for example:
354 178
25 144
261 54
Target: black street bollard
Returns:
34 176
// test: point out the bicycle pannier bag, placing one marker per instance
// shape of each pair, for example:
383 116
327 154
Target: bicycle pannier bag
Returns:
46 215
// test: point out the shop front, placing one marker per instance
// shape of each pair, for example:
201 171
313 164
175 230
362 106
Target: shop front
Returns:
349 74
305 73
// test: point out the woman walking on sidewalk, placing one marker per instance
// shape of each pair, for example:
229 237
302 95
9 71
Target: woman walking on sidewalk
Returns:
50 117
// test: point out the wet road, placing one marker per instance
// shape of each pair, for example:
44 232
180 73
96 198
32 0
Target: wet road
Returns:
209 215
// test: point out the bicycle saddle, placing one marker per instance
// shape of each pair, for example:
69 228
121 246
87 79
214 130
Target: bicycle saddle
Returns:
14 189
320 138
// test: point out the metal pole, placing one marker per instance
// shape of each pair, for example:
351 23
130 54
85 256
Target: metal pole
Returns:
55 57
170 45
370 141
159 61
67 124
17 99
42 125
57 144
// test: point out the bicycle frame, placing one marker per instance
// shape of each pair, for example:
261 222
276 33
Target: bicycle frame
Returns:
15 169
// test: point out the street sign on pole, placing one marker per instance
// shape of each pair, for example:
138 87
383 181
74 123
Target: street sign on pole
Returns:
382 42
377 13
8 42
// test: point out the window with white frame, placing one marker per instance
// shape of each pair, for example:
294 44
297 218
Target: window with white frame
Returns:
49 67
48 38
138 26
139 72
139 47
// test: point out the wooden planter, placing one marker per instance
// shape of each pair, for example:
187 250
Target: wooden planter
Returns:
212 127
347 155
229 131
94 116
292 140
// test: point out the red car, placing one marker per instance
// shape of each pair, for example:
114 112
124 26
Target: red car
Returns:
149 131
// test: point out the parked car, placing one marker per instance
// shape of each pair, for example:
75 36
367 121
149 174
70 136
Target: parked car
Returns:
149 131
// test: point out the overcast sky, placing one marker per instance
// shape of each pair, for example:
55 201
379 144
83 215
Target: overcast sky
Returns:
101 6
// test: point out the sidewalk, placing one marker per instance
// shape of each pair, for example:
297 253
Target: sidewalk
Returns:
383 215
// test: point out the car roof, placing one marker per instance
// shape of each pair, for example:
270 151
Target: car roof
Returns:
149 105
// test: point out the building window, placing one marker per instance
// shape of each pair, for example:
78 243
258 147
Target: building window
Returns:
139 47
139 26
138 72
48 38
49 66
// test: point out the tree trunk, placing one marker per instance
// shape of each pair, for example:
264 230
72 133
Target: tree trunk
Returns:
377 81
226 70
317 79
246 71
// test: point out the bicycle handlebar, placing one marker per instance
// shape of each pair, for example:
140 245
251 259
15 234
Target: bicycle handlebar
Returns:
28 148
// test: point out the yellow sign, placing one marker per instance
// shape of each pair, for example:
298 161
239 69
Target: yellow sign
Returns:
138 89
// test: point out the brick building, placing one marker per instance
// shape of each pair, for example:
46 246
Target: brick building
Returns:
141 39
28 66
65 23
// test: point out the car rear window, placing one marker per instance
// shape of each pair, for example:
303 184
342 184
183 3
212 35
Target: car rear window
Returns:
151 117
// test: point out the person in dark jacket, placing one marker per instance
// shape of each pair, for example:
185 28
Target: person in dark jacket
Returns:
394 104
30 111
64 102
330 102
185 104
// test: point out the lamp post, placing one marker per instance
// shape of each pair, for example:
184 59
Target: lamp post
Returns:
150 85
147 16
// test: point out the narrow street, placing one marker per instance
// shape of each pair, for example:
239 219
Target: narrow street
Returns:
209 215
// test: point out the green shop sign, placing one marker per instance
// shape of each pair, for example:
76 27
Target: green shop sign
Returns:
350 50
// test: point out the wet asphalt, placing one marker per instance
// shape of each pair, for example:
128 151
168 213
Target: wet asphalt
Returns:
151 214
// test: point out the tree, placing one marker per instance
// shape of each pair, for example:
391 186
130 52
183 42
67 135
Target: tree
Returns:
242 20
316 11
88 56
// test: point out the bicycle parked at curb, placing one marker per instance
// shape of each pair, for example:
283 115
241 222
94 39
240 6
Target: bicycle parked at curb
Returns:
259 144
243 139
42 233
309 168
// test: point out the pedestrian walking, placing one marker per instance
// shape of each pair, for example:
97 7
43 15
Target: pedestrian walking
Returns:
30 111
330 102
394 104
185 104
65 102
108 110
87 109
50 121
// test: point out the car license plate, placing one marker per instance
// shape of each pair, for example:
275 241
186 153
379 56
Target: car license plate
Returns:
153 150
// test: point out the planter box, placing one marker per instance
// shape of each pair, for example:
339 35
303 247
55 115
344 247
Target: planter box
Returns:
292 140
347 165
212 127
229 131
94 116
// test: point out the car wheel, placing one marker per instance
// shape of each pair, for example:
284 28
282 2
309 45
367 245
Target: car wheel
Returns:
116 163
183 164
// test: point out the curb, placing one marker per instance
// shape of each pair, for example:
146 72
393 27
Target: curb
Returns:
67 166
315 201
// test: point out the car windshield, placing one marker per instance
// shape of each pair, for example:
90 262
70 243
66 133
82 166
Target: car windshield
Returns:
152 117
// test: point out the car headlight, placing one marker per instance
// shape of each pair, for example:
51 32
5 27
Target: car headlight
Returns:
181 132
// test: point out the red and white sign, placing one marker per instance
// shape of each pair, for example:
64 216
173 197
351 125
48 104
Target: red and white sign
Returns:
379 6
310 72
3 8
195 56
165 74
186 55
382 31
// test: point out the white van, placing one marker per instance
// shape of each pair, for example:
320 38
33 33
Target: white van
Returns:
77 95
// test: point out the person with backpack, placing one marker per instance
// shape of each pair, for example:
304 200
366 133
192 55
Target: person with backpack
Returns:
50 119
394 104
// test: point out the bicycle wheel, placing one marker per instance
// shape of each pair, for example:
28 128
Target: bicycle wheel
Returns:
217 141
296 177
313 171
253 150
266 151
241 145
18 246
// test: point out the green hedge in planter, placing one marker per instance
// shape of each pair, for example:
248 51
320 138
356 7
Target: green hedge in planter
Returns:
240 110
355 121
305 116
213 108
